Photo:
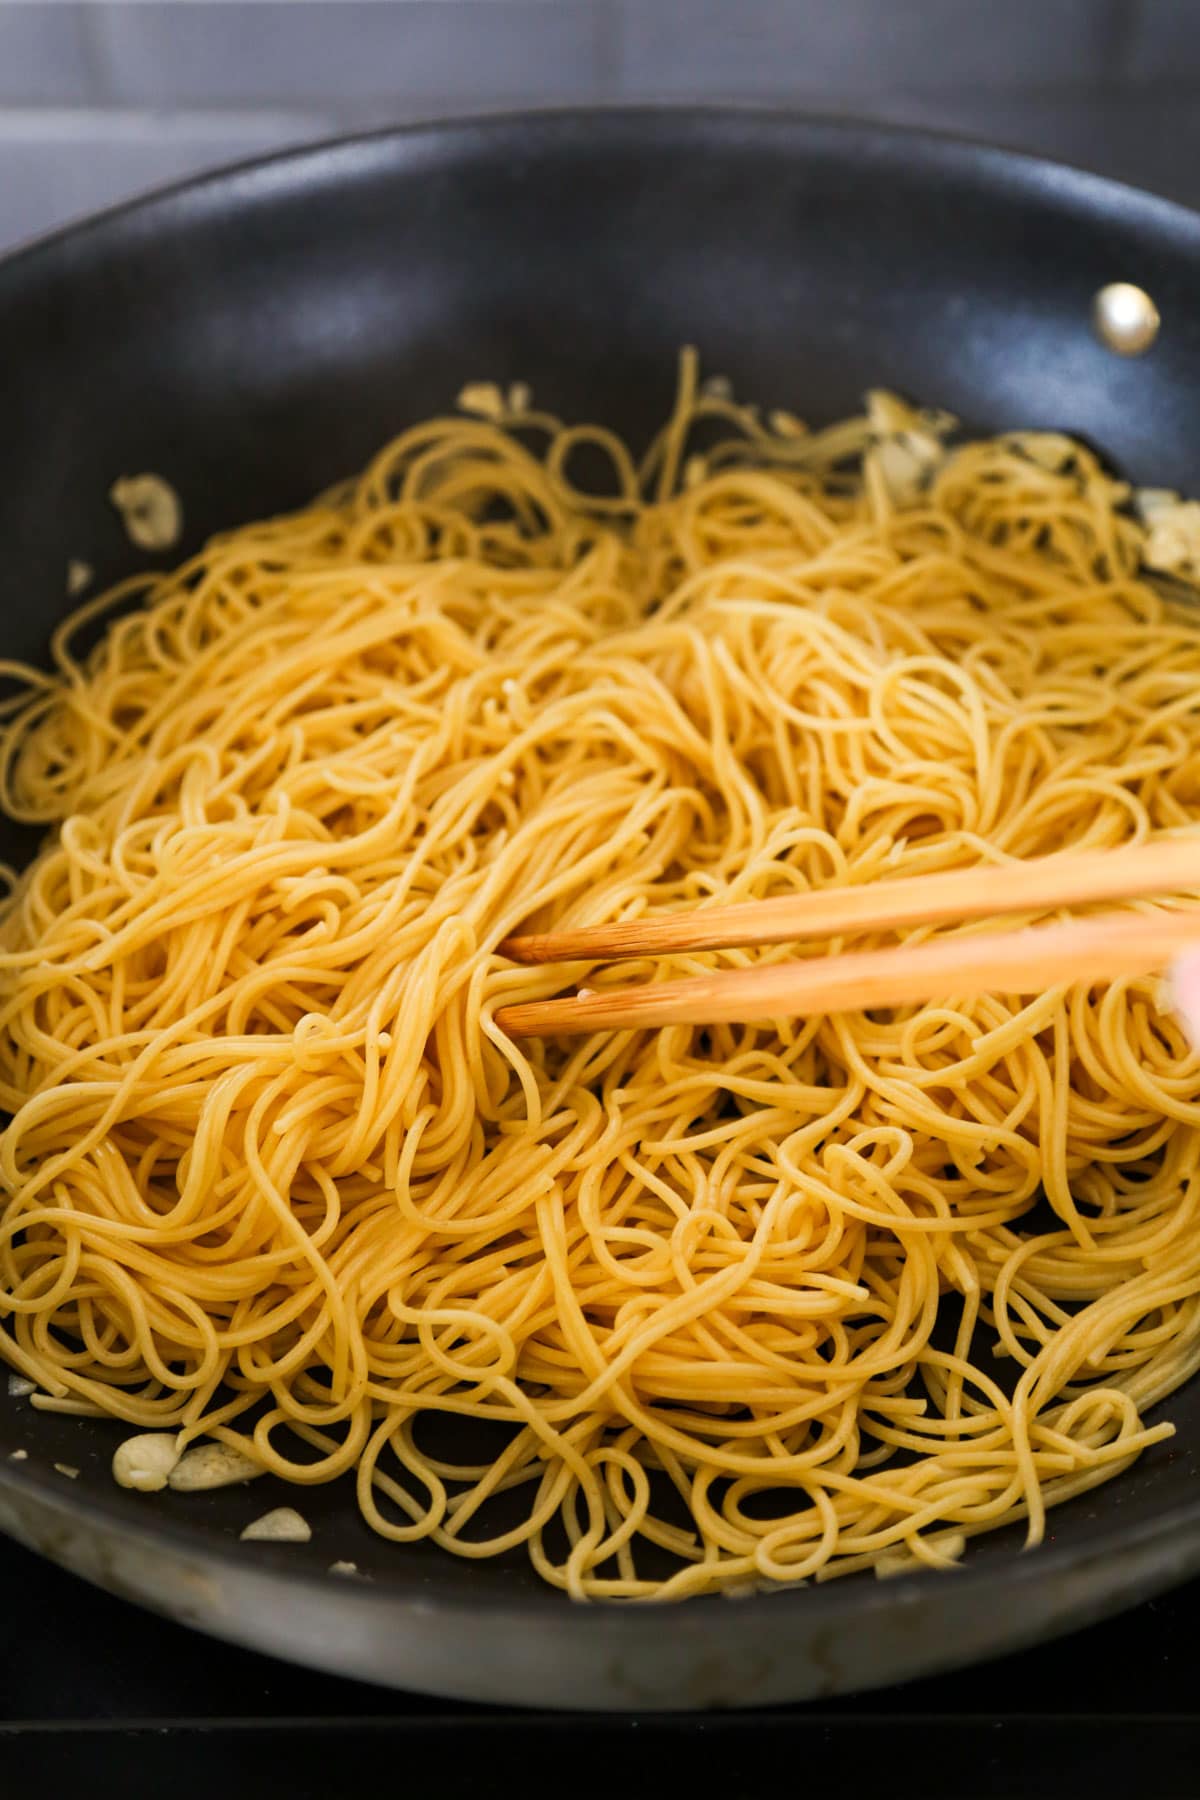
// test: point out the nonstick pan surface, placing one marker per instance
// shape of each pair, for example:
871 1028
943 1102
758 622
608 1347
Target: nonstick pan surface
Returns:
254 336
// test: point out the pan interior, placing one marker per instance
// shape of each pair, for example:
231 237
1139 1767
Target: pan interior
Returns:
254 338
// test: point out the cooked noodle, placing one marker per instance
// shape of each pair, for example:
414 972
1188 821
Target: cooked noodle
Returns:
744 1305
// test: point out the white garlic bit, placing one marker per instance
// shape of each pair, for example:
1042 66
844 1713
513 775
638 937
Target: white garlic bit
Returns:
151 511
1172 531
18 1456
20 1387
144 1463
520 397
343 1568
483 398
908 445
1148 502
786 424
79 575
282 1526
1050 450
212 1466
67 1469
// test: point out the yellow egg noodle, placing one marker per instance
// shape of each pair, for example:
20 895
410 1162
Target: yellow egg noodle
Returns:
739 1303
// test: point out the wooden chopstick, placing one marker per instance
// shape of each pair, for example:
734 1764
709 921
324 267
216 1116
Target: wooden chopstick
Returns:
1167 866
1013 962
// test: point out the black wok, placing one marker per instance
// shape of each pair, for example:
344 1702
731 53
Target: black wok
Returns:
254 336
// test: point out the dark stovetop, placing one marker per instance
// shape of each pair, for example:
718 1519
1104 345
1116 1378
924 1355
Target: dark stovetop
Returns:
92 1687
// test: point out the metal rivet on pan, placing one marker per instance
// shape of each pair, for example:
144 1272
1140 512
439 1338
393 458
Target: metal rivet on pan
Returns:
1125 318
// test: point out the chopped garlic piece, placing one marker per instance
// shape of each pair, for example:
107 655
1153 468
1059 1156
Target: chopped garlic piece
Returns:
79 575
889 415
151 511
906 464
1172 531
717 387
72 1474
19 1386
18 1456
786 424
343 1568
145 1462
1049 449
520 394
908 445
212 1466
1150 501
282 1526
482 397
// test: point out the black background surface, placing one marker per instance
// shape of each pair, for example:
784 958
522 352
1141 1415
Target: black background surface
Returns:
97 1691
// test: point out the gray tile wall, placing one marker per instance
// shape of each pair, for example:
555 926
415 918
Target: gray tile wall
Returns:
103 98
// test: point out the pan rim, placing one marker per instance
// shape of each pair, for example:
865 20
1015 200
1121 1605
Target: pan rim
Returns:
306 159
844 1598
